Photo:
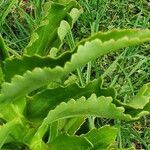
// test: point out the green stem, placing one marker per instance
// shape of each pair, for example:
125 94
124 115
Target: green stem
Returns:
71 43
88 72
119 137
79 72
91 122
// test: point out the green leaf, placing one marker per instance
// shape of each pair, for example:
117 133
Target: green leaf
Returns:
101 106
118 34
69 126
16 111
140 100
145 90
139 104
39 145
26 63
70 142
73 124
103 137
50 98
53 131
4 132
30 81
11 128
96 46
98 107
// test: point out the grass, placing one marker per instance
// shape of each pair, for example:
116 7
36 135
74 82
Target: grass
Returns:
126 70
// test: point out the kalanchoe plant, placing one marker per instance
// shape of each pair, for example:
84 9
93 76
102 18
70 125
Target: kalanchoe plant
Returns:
38 111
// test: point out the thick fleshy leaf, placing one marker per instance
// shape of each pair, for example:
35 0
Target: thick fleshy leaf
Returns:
103 137
14 128
50 98
4 132
70 142
95 46
98 107
28 63
39 145
69 126
73 124
138 103
101 106
140 100
30 81
16 110
117 35
145 90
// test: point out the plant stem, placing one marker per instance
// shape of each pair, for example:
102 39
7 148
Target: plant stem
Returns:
79 72
119 136
91 122
88 72
71 43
